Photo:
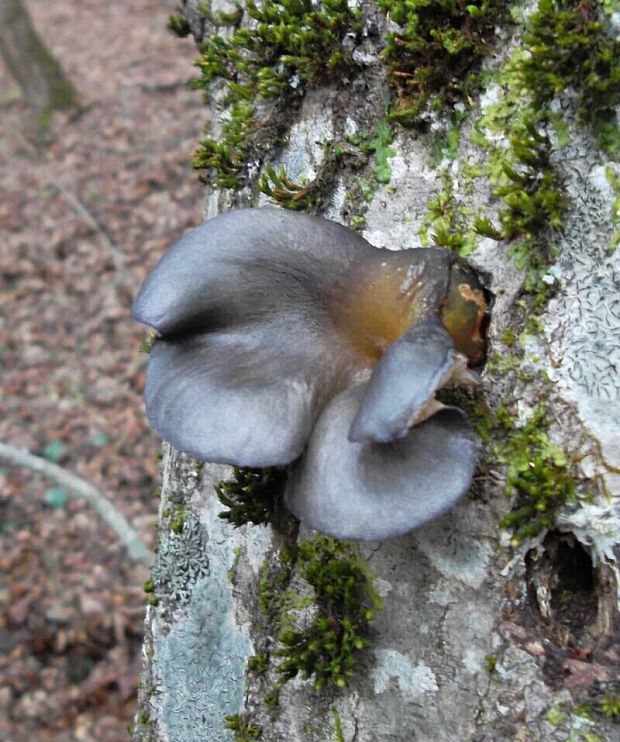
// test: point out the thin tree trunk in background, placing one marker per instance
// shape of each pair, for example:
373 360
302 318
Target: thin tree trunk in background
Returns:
40 77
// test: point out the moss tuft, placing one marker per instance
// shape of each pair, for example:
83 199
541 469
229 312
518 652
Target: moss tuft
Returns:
285 192
146 344
259 663
178 25
433 57
568 46
327 650
610 706
291 46
252 496
538 474
533 204
613 178
244 730
447 223
380 146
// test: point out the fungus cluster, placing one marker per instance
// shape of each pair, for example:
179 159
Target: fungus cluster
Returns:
288 340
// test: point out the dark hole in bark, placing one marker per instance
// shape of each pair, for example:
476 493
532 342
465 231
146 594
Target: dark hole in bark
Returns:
562 586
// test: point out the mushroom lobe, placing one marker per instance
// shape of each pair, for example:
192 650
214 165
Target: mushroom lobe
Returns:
286 339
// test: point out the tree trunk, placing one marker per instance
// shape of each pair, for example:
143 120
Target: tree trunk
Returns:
39 76
487 632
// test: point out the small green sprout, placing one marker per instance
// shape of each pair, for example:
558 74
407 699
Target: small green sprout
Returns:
380 146
287 193
490 664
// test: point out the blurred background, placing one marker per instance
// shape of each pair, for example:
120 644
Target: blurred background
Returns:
89 199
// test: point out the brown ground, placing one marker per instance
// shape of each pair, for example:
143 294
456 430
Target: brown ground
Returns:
71 605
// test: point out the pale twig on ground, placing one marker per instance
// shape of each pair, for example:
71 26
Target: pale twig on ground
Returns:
121 281
78 487
118 260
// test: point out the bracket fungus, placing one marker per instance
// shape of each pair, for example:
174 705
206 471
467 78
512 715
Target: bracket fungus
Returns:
288 340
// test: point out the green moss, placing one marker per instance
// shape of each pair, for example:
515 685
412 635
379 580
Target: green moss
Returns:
178 25
259 663
556 715
563 45
327 647
244 730
445 145
338 726
274 579
568 46
272 697
357 222
380 147
144 718
538 475
432 59
532 201
292 46
231 573
490 664
149 586
447 223
252 496
146 345
286 193
326 651
178 520
610 706
509 337
530 189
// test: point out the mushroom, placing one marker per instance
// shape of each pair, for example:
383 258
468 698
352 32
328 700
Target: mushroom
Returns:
287 339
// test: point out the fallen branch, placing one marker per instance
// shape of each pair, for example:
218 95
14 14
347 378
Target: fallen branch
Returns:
136 548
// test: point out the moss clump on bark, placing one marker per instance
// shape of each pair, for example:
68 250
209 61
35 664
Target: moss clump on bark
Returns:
178 25
245 731
252 496
538 475
290 46
434 56
569 45
340 606
326 650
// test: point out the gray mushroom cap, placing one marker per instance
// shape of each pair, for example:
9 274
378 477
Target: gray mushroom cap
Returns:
256 363
404 381
373 491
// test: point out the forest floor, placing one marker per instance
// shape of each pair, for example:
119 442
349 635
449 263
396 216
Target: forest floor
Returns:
114 179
